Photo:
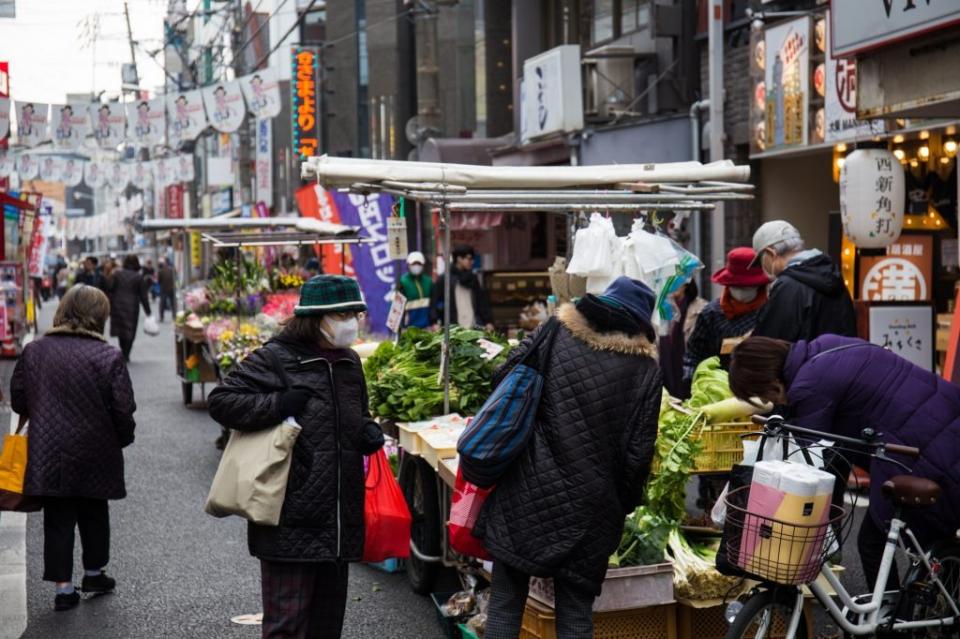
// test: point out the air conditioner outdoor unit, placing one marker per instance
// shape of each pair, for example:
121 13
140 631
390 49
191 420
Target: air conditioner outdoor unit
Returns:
611 83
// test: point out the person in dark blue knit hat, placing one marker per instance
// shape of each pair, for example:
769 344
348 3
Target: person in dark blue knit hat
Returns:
310 373
559 510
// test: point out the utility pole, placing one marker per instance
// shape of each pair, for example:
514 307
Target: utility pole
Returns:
715 47
133 49
245 155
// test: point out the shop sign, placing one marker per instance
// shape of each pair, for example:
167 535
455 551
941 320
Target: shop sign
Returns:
872 197
264 159
859 25
174 197
395 315
787 84
222 201
305 101
196 249
840 101
906 330
905 273
551 99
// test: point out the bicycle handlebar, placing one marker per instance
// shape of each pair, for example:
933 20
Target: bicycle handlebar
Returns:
879 446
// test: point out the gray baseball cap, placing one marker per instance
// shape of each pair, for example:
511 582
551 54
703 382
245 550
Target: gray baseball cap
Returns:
771 233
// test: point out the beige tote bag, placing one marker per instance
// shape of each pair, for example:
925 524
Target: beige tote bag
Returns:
251 480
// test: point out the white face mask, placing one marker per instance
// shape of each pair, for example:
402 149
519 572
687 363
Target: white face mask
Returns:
744 293
416 269
340 333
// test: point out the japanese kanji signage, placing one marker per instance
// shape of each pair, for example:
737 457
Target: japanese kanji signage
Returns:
840 99
905 273
906 330
872 186
305 101
787 82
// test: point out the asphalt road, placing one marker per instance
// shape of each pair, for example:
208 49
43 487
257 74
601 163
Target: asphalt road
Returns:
180 572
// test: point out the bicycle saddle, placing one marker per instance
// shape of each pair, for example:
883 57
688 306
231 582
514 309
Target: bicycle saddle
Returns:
906 490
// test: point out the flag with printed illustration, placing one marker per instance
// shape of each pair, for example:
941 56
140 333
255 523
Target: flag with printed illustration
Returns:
69 126
146 122
50 168
185 168
31 123
8 163
27 166
186 117
71 172
109 124
262 93
141 175
95 174
118 175
225 106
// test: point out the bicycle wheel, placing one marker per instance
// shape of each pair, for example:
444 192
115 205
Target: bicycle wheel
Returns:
926 600
766 615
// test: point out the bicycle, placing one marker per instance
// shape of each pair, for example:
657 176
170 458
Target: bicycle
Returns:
926 604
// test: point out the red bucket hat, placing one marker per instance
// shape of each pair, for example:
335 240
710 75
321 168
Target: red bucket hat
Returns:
738 271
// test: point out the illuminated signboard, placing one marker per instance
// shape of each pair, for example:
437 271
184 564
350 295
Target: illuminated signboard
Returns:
305 100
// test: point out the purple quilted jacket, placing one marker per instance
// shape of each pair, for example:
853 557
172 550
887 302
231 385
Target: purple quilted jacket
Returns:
76 390
846 390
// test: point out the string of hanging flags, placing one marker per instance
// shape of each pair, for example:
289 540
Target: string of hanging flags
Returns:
72 170
173 119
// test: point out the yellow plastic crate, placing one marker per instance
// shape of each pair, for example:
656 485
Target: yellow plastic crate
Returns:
654 622
722 447
710 623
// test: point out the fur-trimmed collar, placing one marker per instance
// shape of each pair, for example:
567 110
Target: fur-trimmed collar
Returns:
617 342
79 332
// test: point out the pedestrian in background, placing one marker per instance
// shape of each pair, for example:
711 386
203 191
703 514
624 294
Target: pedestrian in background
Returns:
417 287
469 303
167 281
673 345
559 510
75 391
128 291
808 298
733 315
91 274
310 373
150 274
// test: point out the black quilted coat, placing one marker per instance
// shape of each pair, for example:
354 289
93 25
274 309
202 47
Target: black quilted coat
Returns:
322 516
128 291
76 391
559 510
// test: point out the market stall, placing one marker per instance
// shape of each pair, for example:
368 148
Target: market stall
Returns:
240 307
417 388
18 312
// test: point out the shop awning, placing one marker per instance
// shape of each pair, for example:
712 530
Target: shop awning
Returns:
474 221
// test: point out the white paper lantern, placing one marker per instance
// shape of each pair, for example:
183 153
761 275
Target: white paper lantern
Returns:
872 187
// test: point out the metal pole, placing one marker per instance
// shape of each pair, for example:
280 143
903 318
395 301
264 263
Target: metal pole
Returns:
696 219
715 46
447 289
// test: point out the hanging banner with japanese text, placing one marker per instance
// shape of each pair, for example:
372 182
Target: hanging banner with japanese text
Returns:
186 118
787 83
225 108
305 101
146 122
4 117
109 124
69 126
262 93
371 262
264 166
31 123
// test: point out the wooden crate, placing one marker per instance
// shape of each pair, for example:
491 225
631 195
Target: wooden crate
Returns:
654 622
710 623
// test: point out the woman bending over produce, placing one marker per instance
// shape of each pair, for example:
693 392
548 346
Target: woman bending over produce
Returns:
843 385
559 510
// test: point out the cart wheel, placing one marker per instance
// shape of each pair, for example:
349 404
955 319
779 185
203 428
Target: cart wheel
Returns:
187 388
419 484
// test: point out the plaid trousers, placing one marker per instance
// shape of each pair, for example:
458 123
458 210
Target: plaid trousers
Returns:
303 600
508 598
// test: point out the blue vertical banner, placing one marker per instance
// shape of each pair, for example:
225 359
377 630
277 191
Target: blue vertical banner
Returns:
372 265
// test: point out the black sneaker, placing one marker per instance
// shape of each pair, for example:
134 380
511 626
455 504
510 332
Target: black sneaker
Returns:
99 584
66 601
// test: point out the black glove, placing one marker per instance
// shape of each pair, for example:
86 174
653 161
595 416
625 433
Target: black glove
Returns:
371 438
292 402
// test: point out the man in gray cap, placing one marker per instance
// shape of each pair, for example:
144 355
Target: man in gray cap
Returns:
808 297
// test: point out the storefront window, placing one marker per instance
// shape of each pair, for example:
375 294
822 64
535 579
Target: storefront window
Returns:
616 18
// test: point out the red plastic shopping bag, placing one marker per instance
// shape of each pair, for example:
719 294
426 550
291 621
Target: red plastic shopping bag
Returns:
468 499
386 516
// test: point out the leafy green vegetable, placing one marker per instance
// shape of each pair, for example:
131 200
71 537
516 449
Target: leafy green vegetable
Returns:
644 540
404 380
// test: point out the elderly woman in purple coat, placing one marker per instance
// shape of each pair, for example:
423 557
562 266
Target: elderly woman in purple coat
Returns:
843 385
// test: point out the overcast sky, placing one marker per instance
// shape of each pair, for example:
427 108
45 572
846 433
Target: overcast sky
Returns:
48 57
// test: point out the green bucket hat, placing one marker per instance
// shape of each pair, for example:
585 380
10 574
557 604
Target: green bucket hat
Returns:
329 294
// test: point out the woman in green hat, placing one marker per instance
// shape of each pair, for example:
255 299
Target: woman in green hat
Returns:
310 373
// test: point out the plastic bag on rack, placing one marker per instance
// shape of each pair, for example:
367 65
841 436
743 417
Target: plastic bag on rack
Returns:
594 249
